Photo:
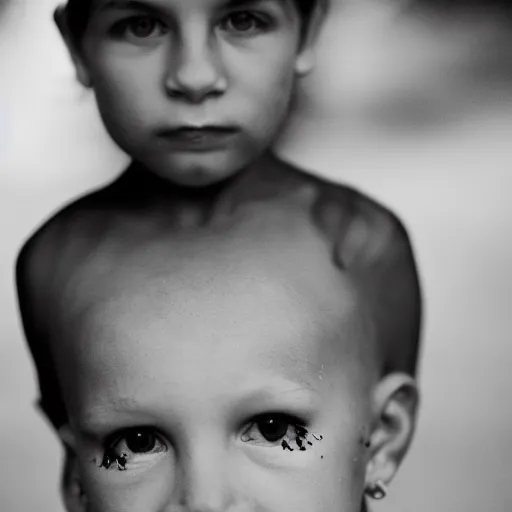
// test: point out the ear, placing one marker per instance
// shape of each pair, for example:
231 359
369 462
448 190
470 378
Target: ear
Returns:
396 399
61 20
305 60
71 486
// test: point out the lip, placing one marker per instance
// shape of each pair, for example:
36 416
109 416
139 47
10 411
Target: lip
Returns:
198 138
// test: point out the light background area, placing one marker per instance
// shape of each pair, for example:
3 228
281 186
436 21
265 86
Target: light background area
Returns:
448 178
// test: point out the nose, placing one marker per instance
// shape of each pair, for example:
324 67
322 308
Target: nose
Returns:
206 486
196 71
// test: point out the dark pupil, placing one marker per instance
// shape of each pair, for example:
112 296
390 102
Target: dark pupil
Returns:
142 27
140 442
242 21
272 429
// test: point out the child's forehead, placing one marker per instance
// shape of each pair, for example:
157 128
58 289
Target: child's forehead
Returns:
243 305
271 301
235 278
249 254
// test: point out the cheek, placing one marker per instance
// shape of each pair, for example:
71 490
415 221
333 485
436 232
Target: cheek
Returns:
340 478
327 477
274 88
126 92
266 84
329 484
113 490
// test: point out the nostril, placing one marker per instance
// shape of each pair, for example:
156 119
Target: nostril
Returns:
196 79
175 93
194 95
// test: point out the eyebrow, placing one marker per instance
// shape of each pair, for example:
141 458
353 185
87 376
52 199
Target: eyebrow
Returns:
307 394
142 5
97 420
283 393
247 3
123 5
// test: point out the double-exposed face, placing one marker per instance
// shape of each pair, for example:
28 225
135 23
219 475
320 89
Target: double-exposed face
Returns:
228 380
194 89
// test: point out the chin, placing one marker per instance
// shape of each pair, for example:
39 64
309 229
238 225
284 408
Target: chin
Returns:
195 178
202 171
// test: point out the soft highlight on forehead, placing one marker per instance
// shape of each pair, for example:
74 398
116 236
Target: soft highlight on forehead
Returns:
237 261
352 265
216 282
215 294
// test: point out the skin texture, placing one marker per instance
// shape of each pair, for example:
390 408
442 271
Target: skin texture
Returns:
195 325
204 288
198 354
198 63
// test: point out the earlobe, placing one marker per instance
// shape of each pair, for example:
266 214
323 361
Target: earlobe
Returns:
305 63
83 76
396 400
71 485
61 20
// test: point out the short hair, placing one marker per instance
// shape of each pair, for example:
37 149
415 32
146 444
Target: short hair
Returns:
77 13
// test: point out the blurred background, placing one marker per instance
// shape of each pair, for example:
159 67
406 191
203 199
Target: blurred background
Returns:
412 103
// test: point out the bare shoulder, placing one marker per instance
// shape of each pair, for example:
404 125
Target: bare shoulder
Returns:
375 230
53 247
371 242
44 263
362 229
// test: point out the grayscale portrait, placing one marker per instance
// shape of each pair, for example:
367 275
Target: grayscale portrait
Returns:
255 255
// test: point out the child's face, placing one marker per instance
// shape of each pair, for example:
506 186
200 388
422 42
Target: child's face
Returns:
184 387
160 69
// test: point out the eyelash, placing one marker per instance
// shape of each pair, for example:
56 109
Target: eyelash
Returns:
110 455
301 437
261 20
300 433
120 28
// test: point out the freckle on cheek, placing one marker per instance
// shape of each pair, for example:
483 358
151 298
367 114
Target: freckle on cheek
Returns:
364 441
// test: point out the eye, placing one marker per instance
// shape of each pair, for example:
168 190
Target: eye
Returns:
244 21
139 27
276 430
133 448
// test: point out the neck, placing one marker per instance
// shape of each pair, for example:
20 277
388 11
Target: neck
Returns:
144 183
190 205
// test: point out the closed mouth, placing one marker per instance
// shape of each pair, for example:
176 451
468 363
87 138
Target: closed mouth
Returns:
190 131
205 137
